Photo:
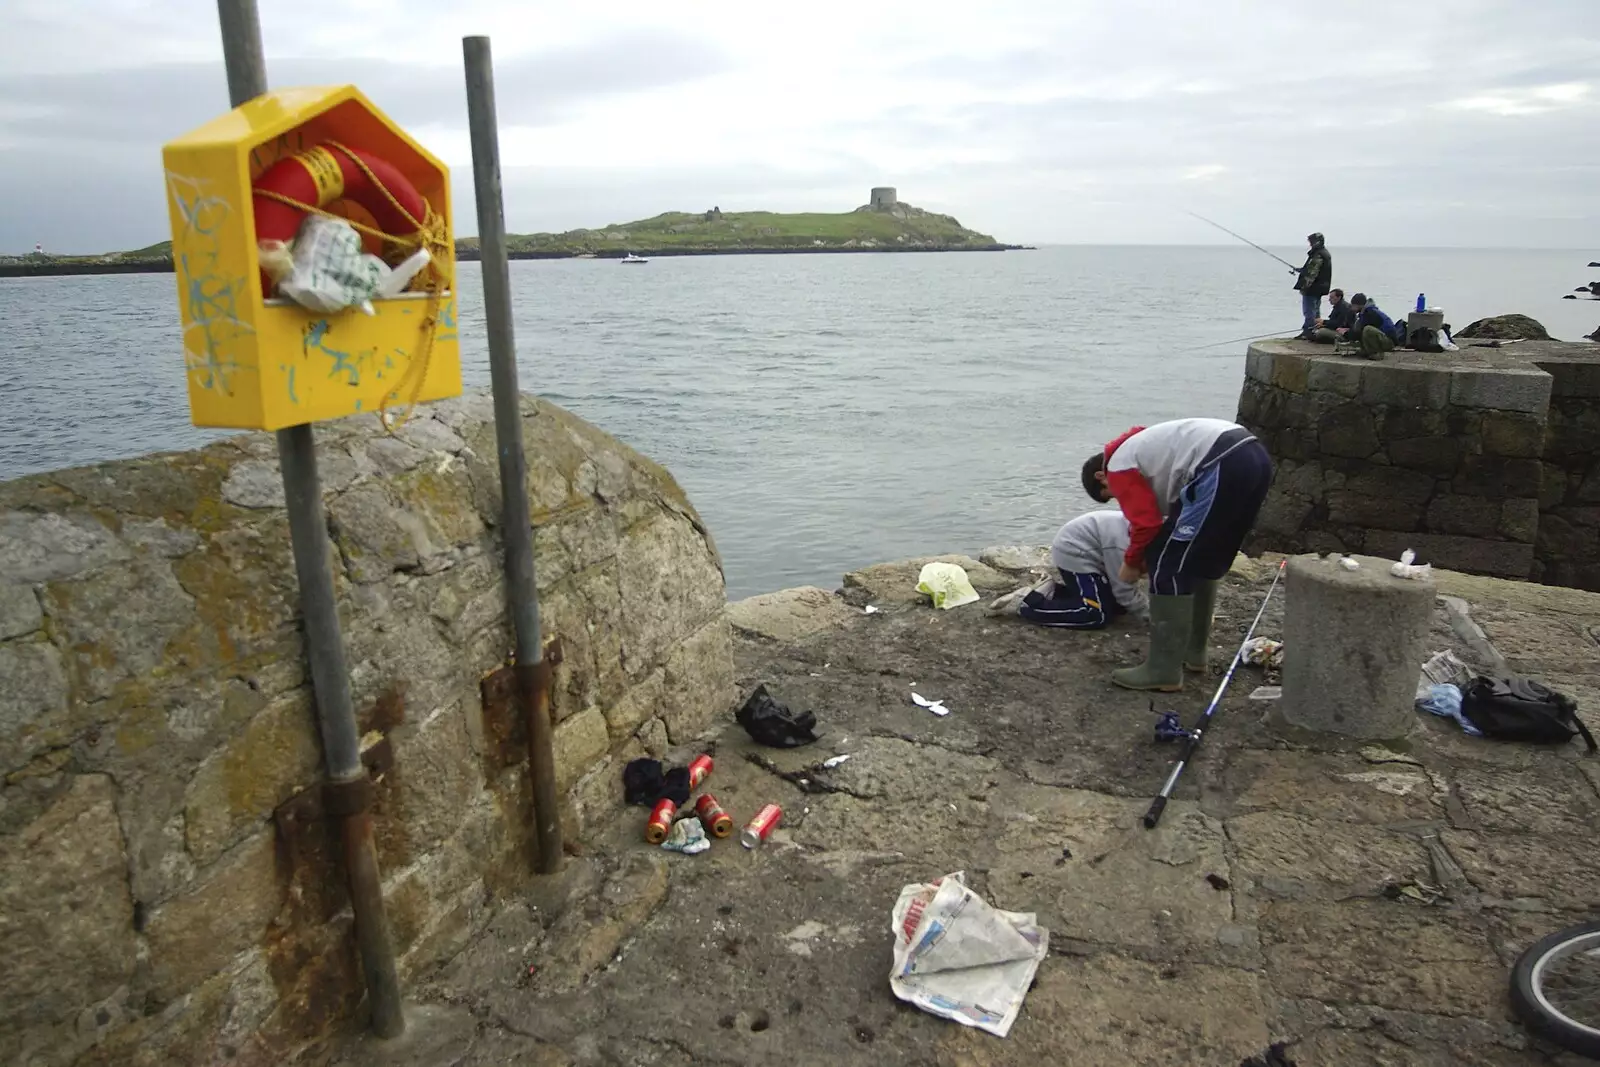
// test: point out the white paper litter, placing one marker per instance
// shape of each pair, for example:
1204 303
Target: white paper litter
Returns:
935 706
870 609
1266 692
957 957
835 761
1405 569
1349 563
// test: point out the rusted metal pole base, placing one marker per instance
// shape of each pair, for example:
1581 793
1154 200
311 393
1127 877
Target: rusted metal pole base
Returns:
533 687
349 802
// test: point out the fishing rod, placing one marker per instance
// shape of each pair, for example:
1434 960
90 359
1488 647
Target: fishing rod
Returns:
1191 738
1246 240
1236 340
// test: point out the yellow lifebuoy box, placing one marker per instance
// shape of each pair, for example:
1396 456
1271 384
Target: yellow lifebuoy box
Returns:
259 362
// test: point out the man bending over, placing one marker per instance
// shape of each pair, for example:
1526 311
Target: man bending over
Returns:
1191 489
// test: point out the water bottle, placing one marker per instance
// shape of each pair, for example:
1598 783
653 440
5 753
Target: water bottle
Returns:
1422 304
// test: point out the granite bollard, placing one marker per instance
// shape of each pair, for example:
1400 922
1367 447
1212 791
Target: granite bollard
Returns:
1354 643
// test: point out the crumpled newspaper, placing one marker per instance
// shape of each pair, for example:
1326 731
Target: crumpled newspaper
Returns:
960 958
688 836
1262 652
947 584
1405 568
1443 668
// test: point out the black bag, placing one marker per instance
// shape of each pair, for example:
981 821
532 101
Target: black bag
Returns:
1423 339
773 724
1512 708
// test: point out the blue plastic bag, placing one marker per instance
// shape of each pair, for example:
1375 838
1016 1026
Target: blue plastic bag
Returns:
1445 701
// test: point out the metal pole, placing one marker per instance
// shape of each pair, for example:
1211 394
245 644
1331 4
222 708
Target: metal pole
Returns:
522 592
348 791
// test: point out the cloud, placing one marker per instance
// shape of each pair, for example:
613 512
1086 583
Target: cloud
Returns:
1037 121
530 90
1535 101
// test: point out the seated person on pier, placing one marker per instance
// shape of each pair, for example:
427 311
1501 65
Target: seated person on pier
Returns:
1089 591
1374 332
1340 317
1191 489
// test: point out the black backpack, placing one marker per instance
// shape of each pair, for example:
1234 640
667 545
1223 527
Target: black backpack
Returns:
1512 708
1423 340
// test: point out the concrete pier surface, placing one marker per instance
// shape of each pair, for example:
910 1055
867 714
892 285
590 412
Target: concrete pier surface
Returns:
1361 901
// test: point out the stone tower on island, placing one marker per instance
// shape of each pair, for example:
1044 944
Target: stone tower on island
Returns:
883 198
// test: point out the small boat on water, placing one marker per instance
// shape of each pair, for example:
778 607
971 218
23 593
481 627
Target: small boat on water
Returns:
631 258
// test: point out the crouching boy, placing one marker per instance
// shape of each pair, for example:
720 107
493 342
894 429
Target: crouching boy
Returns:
1088 591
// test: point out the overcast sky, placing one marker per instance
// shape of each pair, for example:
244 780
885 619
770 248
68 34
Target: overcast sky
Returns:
1406 122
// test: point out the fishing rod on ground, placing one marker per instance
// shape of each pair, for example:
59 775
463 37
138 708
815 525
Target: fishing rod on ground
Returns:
1191 738
1246 240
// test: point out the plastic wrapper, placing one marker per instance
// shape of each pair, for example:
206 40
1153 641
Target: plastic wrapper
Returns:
688 836
325 269
1444 700
947 584
1262 652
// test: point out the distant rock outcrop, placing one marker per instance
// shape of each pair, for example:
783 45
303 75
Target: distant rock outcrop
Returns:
1506 328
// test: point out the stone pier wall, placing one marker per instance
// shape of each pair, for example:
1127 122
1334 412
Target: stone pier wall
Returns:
168 884
1483 460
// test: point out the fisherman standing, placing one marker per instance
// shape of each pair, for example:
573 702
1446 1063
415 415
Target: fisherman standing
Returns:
1191 490
1315 279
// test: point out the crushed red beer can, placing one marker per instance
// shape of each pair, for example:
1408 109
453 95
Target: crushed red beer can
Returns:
713 817
660 824
699 770
759 828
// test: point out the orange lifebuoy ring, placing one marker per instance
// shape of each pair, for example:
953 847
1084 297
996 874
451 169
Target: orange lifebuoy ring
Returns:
321 175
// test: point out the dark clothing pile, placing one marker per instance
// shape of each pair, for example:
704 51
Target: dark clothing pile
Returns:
645 781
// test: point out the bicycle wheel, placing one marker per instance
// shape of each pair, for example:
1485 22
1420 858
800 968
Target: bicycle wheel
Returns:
1555 988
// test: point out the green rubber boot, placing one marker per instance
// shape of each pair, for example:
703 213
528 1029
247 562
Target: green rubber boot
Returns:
1205 607
1171 618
